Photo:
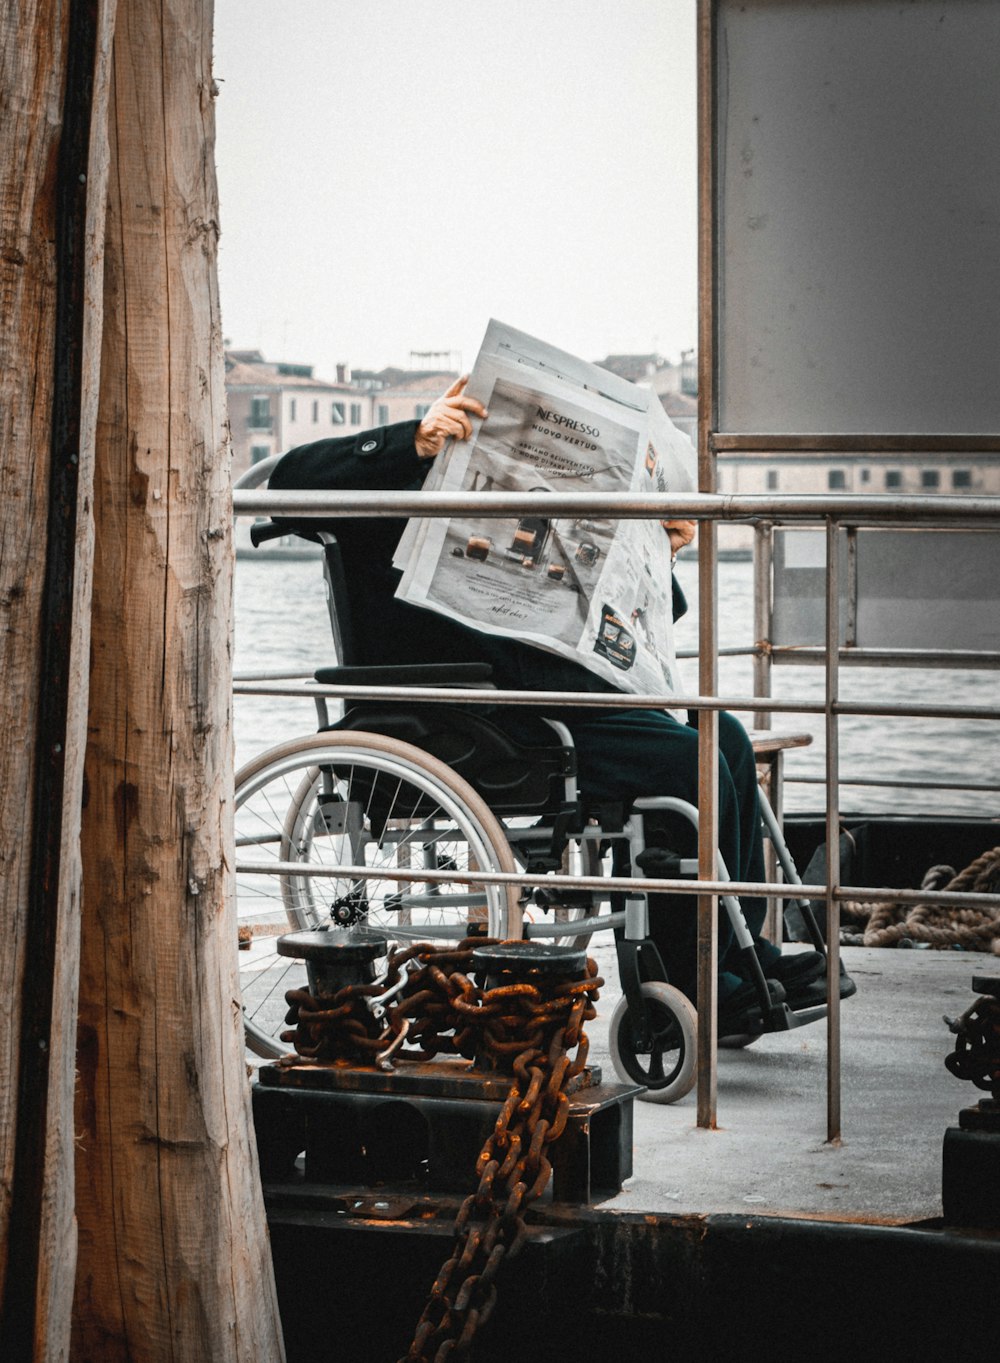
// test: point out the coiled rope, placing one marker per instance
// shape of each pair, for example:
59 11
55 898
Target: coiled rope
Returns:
886 925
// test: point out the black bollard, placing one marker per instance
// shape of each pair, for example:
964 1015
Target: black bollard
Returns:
970 1184
510 964
335 957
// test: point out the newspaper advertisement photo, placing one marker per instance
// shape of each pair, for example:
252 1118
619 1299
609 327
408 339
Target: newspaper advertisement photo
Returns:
591 589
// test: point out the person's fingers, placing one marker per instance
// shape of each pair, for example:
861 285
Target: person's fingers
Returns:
448 416
454 423
468 405
432 434
682 531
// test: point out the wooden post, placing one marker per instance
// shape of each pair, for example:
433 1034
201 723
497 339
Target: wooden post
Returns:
174 1260
53 93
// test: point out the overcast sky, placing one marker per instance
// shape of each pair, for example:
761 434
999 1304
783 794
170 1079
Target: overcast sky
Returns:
393 173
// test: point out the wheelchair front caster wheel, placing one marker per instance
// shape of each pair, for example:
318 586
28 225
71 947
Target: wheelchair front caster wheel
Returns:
667 1070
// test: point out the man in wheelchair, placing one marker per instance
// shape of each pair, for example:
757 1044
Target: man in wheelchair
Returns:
622 755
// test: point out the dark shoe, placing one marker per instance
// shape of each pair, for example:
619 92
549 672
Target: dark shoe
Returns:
739 1011
810 993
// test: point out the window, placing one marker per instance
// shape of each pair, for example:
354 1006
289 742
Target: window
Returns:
866 475
260 414
961 478
291 410
421 410
259 452
893 478
836 480
338 413
383 414
772 480
930 478
315 411
355 413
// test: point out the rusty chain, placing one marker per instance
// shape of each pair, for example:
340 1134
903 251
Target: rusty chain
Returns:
533 1030
433 1009
976 1056
530 1028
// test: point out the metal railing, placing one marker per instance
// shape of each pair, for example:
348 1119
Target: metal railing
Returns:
833 512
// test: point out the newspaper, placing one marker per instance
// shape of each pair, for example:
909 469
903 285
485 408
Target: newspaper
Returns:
594 590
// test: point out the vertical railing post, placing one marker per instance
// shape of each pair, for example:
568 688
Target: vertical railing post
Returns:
708 720
763 552
763 556
708 826
832 829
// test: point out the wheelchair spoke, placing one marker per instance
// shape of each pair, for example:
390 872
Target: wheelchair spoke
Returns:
352 800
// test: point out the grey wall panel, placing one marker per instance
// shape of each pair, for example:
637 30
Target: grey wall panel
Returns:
858 212
914 589
928 589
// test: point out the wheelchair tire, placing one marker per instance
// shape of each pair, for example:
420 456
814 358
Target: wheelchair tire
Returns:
361 800
669 1071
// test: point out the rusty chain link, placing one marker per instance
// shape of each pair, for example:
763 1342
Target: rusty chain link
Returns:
433 1009
533 1027
976 1056
533 1031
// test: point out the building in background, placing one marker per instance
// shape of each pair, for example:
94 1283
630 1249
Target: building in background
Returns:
275 405
402 394
675 384
901 474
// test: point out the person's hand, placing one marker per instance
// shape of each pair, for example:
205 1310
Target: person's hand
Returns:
679 533
449 416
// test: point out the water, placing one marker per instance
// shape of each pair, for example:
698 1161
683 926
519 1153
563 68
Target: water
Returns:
282 622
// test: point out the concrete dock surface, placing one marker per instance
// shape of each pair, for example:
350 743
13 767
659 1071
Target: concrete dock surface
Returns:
769 1153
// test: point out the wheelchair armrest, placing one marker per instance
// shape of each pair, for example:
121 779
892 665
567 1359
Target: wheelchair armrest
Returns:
262 531
420 674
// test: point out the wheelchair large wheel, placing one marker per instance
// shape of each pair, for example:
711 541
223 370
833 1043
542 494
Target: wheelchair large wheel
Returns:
668 1071
363 801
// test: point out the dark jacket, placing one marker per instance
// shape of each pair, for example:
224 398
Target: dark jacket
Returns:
390 631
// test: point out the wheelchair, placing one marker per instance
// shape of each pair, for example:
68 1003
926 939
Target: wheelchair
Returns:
376 820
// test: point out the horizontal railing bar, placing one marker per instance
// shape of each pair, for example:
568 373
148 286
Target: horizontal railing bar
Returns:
637 885
844 707
615 700
740 442
895 785
966 660
958 659
844 507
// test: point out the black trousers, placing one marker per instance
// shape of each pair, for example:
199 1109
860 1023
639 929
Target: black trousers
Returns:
648 752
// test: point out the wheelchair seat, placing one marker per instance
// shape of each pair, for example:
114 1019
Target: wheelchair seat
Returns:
513 776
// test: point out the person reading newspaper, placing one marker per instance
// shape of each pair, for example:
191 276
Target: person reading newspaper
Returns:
622 754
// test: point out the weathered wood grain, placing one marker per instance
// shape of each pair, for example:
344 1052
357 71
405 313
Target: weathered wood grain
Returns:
53 102
174 1260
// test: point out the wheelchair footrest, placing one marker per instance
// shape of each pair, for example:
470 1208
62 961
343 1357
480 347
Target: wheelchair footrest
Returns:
781 1018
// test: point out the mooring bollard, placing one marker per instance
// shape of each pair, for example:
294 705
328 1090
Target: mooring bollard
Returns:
970 1185
520 982
331 1019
